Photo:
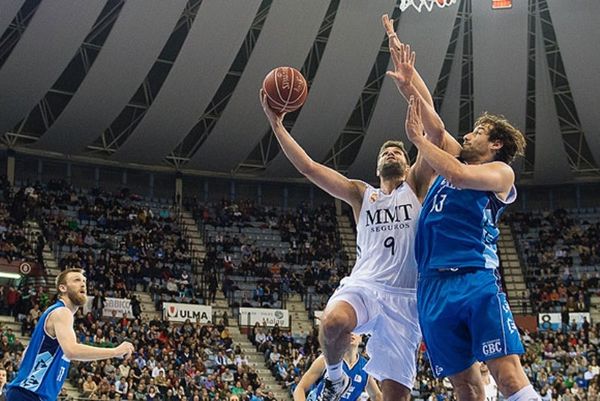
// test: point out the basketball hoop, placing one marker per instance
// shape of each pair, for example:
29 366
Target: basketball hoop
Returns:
419 5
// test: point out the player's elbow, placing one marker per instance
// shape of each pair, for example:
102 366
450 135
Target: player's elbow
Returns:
307 169
70 352
437 133
457 176
298 393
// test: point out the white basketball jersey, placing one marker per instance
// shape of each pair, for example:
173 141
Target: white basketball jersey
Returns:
385 238
491 390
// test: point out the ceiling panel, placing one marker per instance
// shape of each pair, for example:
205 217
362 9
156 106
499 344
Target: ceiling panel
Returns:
9 11
203 62
340 80
285 39
37 62
390 112
578 32
131 48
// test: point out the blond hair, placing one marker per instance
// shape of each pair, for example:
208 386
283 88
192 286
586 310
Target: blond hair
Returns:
61 279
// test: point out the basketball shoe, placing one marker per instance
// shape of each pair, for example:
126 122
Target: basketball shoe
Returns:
333 391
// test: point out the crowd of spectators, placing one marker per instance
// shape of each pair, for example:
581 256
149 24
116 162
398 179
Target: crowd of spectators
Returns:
286 357
125 246
25 305
124 243
561 253
312 261
15 207
190 362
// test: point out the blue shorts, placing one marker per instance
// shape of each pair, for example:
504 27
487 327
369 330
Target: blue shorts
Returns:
464 318
20 394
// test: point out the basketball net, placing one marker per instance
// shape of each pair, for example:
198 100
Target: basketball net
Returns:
428 5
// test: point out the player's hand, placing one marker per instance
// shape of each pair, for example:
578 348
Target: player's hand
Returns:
402 57
414 124
404 64
271 115
124 350
388 24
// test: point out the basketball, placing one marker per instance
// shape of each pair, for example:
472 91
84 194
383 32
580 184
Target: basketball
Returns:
286 89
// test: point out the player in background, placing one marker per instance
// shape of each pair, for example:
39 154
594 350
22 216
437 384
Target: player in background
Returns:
491 388
353 365
53 345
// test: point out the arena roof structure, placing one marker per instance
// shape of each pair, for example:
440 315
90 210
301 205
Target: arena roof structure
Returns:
175 83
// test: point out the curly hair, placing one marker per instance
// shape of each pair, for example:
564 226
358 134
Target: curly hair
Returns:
513 141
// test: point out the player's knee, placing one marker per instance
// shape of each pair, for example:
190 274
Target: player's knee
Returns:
334 324
396 397
394 391
509 375
509 382
470 391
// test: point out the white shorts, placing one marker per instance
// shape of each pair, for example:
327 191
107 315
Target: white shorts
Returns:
390 317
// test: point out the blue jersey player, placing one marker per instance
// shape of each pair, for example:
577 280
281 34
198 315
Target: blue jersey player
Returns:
463 312
53 345
353 365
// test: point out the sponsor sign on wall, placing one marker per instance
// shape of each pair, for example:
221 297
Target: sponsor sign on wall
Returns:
120 305
578 317
553 321
549 321
270 317
175 312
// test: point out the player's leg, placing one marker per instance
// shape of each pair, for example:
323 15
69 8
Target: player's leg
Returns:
511 379
393 345
445 324
346 310
394 391
468 384
337 322
496 339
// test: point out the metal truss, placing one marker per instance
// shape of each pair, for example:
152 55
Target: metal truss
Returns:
17 27
466 108
439 93
45 113
131 115
267 148
578 152
348 144
529 160
198 134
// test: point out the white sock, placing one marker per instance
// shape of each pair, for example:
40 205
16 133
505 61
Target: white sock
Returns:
527 393
334 372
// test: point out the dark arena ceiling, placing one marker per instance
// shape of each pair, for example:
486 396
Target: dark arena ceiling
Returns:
175 82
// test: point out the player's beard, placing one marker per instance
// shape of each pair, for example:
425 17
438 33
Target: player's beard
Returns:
468 154
391 170
76 297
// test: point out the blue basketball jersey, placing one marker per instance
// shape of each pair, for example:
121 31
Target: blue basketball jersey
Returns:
44 367
458 228
358 377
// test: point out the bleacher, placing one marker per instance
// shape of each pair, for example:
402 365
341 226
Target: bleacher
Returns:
557 247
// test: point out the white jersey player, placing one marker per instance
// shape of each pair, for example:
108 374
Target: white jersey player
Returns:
379 297
491 388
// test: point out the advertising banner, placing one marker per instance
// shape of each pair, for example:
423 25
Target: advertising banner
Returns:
250 316
175 312
549 321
